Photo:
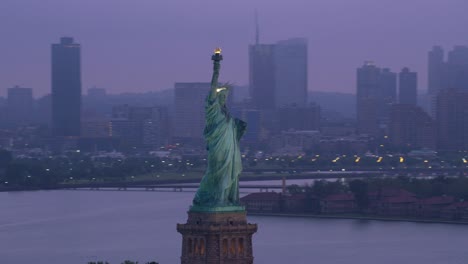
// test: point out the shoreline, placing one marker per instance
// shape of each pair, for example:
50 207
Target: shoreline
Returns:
357 217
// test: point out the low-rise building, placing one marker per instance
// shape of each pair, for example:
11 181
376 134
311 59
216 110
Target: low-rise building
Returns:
432 207
262 202
338 204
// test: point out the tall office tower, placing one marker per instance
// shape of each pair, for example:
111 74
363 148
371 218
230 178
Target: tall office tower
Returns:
19 105
262 75
388 94
262 72
66 88
411 127
457 68
408 83
368 81
291 72
189 119
436 72
452 120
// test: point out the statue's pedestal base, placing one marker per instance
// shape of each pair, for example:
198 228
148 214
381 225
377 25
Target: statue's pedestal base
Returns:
217 237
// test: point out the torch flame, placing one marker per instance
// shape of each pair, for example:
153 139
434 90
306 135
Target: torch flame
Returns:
217 51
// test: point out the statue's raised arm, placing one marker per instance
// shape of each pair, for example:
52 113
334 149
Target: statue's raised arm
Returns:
219 188
217 58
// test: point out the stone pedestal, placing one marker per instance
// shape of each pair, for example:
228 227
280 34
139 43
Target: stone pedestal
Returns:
217 237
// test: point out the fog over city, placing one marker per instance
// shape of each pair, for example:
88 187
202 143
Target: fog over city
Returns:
249 131
138 46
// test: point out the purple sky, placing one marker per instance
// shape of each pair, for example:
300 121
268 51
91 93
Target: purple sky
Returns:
144 45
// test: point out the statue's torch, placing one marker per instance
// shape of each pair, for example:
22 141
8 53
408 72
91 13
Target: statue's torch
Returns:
217 58
217 55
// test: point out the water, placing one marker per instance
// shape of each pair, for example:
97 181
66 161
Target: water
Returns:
79 226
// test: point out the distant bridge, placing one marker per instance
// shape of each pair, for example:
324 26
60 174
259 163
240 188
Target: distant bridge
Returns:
192 184
169 187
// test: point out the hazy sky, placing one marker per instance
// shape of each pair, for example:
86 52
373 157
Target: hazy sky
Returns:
144 45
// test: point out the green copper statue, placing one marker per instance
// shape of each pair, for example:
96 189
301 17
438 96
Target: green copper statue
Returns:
219 187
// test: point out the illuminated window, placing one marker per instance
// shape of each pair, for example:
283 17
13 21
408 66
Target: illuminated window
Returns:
202 246
232 247
190 246
196 246
225 247
240 247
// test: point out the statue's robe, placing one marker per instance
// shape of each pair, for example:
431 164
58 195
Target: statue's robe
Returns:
220 184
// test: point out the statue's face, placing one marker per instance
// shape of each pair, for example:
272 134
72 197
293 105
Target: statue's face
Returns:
222 95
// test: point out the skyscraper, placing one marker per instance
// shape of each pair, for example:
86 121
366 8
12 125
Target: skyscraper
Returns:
262 75
408 83
368 79
291 72
435 75
435 70
262 72
452 120
376 93
189 110
19 105
457 68
66 88
450 74
387 94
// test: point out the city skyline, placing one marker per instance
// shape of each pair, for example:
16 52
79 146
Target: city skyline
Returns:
131 47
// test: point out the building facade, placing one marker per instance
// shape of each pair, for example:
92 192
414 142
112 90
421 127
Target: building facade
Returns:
376 93
411 128
291 73
408 87
66 88
189 119
262 76
368 78
19 106
452 120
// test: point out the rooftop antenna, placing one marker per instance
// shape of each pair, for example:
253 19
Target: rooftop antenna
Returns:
257 30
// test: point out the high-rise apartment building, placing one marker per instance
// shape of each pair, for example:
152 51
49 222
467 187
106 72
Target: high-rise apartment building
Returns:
457 68
450 74
66 88
387 94
408 83
376 93
368 79
189 118
452 120
19 105
291 72
411 128
436 67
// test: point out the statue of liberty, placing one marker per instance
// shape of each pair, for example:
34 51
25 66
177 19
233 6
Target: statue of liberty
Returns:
219 186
